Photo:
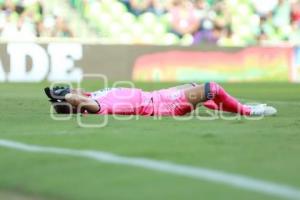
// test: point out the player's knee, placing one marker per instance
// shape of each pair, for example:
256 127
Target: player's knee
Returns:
211 90
211 84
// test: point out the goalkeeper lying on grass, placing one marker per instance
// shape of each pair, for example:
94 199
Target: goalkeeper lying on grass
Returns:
166 102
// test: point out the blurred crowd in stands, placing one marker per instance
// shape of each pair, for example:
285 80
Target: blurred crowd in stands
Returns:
26 19
161 22
222 22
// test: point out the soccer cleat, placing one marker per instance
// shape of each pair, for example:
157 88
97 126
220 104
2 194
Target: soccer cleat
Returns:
262 110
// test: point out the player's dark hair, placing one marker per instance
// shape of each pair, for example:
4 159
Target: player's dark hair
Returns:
64 108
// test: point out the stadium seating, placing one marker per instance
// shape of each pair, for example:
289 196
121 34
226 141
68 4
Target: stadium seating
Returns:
183 22
226 23
27 19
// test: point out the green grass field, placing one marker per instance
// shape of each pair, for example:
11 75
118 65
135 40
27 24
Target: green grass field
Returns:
267 149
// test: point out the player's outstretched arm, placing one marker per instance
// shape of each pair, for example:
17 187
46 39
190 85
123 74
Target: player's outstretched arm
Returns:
82 102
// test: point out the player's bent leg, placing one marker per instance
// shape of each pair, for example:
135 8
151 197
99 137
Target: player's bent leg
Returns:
83 102
216 98
225 102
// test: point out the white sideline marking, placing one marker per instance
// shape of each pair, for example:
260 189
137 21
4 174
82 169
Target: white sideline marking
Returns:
235 180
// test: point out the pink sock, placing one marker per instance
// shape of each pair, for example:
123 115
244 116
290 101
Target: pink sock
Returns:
219 99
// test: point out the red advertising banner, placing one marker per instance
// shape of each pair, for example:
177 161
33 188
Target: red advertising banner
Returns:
249 64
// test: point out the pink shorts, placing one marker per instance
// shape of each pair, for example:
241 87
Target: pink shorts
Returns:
166 102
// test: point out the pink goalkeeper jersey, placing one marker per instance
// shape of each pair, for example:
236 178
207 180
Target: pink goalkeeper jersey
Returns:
123 101
131 101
